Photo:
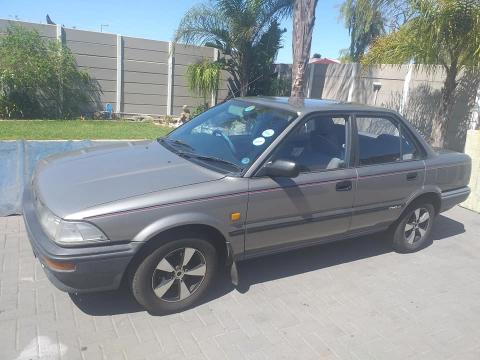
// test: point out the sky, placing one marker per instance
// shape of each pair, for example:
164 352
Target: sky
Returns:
158 19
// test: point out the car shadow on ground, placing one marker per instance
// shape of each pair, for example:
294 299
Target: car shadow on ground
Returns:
270 268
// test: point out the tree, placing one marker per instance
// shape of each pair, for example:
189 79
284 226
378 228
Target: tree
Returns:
39 78
345 57
263 71
396 13
246 32
303 22
366 20
202 78
441 32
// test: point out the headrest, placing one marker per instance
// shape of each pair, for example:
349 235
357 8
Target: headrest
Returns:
324 125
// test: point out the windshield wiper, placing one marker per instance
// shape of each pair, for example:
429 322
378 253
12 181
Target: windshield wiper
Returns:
191 154
177 142
210 158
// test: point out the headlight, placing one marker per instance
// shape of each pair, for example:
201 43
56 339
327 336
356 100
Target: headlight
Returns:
67 232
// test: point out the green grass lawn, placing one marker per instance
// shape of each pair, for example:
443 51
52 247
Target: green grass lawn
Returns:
79 130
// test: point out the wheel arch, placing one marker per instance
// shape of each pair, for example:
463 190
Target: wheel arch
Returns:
432 197
429 197
193 229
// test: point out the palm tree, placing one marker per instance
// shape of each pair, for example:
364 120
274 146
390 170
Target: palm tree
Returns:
365 22
442 32
203 78
240 29
303 22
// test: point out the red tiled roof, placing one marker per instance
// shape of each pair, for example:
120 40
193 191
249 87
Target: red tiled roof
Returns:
324 61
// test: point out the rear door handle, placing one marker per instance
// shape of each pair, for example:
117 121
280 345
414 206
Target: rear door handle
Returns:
344 186
412 176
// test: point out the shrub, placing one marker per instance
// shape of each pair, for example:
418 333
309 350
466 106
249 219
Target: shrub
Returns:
39 78
198 110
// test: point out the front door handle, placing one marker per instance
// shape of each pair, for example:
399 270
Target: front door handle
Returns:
344 186
412 176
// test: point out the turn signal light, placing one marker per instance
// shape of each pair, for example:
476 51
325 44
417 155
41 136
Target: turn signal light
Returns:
60 266
235 216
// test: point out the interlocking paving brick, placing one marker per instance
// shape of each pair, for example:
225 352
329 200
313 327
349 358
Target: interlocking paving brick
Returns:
351 300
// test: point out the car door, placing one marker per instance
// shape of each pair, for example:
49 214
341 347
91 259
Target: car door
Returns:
390 169
289 212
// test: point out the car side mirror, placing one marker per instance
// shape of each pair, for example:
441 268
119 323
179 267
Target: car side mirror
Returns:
281 168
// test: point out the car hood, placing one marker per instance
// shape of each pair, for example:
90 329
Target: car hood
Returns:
75 181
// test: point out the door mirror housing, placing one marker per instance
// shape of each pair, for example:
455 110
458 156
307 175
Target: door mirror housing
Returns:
281 168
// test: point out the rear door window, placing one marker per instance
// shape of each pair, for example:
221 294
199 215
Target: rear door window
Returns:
410 150
382 140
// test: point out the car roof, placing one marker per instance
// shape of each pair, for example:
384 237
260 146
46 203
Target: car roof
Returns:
312 105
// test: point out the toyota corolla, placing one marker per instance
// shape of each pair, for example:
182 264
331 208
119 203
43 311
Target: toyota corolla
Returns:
249 177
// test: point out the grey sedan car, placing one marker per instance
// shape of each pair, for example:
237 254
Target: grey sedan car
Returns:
249 177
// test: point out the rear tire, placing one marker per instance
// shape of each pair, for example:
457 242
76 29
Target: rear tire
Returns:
412 231
175 276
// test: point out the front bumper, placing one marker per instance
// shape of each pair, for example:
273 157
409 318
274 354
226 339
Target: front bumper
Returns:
97 268
451 198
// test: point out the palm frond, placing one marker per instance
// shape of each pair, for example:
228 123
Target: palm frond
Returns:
203 77
443 32
235 27
202 24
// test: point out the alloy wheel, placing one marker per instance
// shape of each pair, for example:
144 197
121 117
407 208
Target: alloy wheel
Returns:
417 225
179 274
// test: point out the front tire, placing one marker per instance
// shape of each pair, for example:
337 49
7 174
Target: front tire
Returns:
175 276
412 232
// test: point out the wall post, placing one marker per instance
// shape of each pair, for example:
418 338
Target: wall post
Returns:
171 65
475 117
406 89
353 79
119 97
61 41
216 55
60 34
311 73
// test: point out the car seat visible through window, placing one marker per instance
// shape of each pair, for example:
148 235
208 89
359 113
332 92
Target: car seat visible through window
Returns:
317 145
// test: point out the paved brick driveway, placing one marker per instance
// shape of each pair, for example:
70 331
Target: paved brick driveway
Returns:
349 300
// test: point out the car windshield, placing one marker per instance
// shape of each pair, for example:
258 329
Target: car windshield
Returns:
232 135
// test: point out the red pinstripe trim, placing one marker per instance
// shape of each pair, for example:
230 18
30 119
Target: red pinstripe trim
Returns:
301 185
391 173
165 205
258 191
208 198
446 166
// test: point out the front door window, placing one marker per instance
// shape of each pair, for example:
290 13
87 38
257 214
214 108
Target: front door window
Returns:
318 144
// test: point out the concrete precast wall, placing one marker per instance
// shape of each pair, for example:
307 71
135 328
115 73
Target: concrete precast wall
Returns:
415 91
135 75
148 77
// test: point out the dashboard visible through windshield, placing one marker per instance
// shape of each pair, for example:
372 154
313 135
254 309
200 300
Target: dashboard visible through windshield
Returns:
232 134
